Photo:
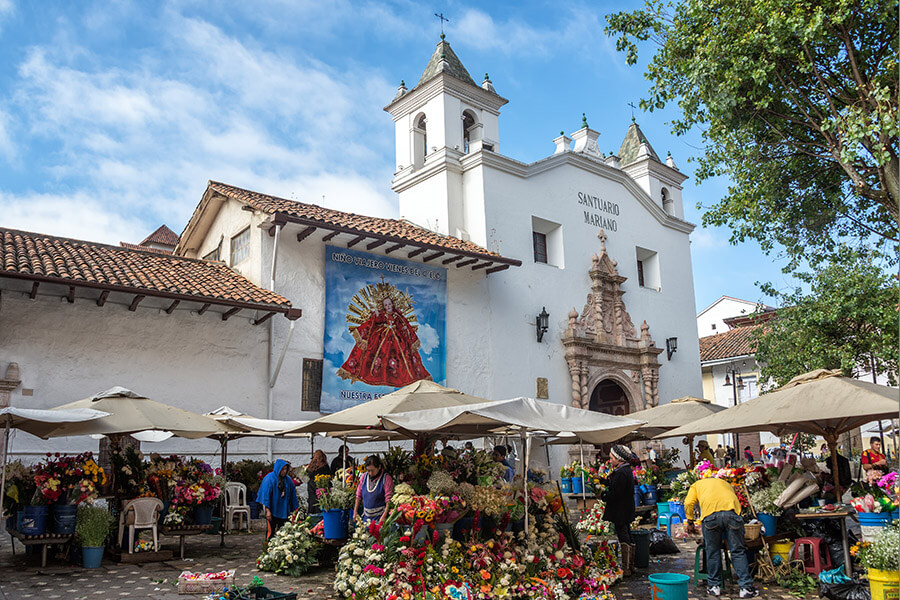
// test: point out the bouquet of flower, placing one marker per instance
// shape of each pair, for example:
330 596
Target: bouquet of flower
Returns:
881 554
889 484
488 500
196 494
764 500
292 550
20 486
593 524
129 472
870 504
403 493
49 489
176 516
418 508
566 471
336 496
683 483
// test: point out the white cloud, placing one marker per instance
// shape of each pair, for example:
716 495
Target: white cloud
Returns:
707 239
428 338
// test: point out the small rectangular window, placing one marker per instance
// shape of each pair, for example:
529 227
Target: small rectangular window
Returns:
648 269
312 384
540 247
240 247
215 254
640 273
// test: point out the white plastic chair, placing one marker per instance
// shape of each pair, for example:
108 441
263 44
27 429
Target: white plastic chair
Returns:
236 505
144 514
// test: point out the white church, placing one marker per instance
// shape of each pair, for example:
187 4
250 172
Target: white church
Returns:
567 279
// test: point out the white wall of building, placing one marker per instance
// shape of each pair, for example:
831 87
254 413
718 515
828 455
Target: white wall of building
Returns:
710 321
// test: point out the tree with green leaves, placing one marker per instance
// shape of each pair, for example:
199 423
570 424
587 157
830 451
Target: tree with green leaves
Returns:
848 320
797 104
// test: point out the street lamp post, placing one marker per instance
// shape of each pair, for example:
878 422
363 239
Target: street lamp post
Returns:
736 381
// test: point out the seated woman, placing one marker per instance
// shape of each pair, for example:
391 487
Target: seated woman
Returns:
374 492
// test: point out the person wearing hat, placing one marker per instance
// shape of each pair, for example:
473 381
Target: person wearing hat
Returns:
704 453
619 499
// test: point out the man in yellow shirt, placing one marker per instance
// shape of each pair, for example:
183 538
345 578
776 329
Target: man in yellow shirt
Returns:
721 511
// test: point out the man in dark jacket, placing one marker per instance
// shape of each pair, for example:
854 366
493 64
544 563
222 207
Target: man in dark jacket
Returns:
619 499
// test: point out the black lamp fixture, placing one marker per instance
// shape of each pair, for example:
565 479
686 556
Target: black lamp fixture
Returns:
671 347
542 323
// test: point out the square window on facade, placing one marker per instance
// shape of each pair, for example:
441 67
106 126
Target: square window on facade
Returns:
648 271
240 247
547 241
215 254
540 247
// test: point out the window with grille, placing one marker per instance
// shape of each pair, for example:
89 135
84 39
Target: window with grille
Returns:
312 384
540 247
240 247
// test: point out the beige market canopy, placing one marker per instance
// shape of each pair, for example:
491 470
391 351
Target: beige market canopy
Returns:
252 426
666 417
366 416
821 403
130 412
515 416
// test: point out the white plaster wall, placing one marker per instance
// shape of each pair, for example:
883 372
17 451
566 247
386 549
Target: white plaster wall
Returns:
67 352
229 221
721 309
427 203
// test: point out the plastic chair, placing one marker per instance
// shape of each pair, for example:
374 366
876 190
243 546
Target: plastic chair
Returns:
667 520
236 505
700 571
817 559
144 514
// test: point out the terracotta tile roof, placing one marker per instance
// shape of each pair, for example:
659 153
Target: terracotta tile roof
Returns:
145 248
163 236
61 260
394 229
729 344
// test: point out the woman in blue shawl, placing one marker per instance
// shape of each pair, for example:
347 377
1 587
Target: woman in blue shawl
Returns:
278 495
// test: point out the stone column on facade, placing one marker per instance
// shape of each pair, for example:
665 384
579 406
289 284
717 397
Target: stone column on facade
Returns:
575 372
585 393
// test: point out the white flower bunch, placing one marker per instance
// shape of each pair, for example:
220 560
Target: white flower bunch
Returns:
291 551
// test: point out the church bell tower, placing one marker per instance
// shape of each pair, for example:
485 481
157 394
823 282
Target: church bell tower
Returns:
444 119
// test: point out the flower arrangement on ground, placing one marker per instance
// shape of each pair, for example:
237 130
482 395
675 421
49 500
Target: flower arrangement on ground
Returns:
882 553
292 550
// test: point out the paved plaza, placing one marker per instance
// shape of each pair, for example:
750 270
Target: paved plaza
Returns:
22 577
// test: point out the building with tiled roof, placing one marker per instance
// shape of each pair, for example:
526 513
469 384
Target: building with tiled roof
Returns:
163 236
731 344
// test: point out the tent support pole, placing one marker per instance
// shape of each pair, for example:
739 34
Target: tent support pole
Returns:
690 440
525 446
5 460
581 466
222 523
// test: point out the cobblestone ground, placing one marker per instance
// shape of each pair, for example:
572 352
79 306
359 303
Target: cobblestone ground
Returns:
22 576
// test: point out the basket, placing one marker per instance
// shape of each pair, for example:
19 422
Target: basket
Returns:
752 531
203 586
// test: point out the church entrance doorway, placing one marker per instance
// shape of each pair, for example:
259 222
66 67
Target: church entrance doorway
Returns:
609 397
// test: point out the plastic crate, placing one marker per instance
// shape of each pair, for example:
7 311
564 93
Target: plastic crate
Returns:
203 586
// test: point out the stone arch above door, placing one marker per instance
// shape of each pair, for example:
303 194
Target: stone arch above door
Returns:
601 342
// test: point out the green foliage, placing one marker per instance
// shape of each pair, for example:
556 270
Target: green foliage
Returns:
798 582
92 525
804 443
796 100
847 321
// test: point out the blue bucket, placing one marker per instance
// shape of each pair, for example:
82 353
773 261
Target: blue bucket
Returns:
769 523
638 496
669 586
895 516
63 520
91 556
34 520
650 495
565 483
577 485
335 525
203 514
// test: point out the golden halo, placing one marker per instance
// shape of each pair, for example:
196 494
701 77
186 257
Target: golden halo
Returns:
371 298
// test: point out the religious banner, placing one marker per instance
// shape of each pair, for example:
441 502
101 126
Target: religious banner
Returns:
385 326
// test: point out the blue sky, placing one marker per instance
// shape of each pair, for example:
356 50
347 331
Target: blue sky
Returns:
114 114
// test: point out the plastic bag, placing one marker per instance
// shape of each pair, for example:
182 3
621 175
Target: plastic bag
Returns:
834 576
679 531
853 590
660 543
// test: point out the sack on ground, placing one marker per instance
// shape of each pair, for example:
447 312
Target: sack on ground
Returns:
660 543
845 591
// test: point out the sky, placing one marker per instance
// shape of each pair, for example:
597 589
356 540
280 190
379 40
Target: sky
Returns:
115 114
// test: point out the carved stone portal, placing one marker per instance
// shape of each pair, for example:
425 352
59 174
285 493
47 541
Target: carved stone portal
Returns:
601 343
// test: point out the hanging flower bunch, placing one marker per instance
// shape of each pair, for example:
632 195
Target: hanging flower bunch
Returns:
292 550
871 504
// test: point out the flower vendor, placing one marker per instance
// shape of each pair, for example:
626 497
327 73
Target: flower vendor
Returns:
619 499
317 467
873 458
279 497
342 460
721 510
374 491
499 456
703 452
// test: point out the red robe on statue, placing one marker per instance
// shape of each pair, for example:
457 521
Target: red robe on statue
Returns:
386 352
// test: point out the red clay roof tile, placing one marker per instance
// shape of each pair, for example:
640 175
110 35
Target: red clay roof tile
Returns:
163 236
729 344
39 256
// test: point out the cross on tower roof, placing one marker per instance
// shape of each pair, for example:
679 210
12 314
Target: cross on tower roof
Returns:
442 18
602 236
631 104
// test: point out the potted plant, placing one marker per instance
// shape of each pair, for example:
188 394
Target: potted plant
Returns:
91 529
880 558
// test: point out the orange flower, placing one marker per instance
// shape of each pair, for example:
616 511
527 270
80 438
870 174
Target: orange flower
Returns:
485 588
485 575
